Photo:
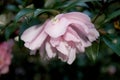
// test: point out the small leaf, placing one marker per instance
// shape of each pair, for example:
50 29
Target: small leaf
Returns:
87 0
113 43
9 30
100 19
92 51
70 4
22 13
38 11
48 3
113 15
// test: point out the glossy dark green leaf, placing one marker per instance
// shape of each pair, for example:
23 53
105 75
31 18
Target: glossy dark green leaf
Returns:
40 11
87 0
9 30
113 15
92 51
71 4
100 19
48 3
113 42
22 13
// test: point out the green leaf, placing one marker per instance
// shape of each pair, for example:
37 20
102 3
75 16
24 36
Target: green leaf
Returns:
113 15
9 30
48 3
71 4
87 0
22 13
100 19
113 42
40 11
92 51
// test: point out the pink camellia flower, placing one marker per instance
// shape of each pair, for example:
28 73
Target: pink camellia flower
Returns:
5 56
64 36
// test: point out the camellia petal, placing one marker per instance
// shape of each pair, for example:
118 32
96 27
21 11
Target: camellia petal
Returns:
37 42
72 56
55 41
79 25
31 33
80 47
71 35
93 34
77 16
5 55
49 50
63 48
56 29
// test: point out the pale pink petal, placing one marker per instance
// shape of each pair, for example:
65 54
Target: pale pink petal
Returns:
37 42
72 56
49 50
56 29
80 31
77 16
31 33
93 35
62 47
80 47
55 41
83 40
71 35
80 25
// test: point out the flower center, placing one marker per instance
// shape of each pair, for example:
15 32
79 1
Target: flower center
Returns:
54 20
